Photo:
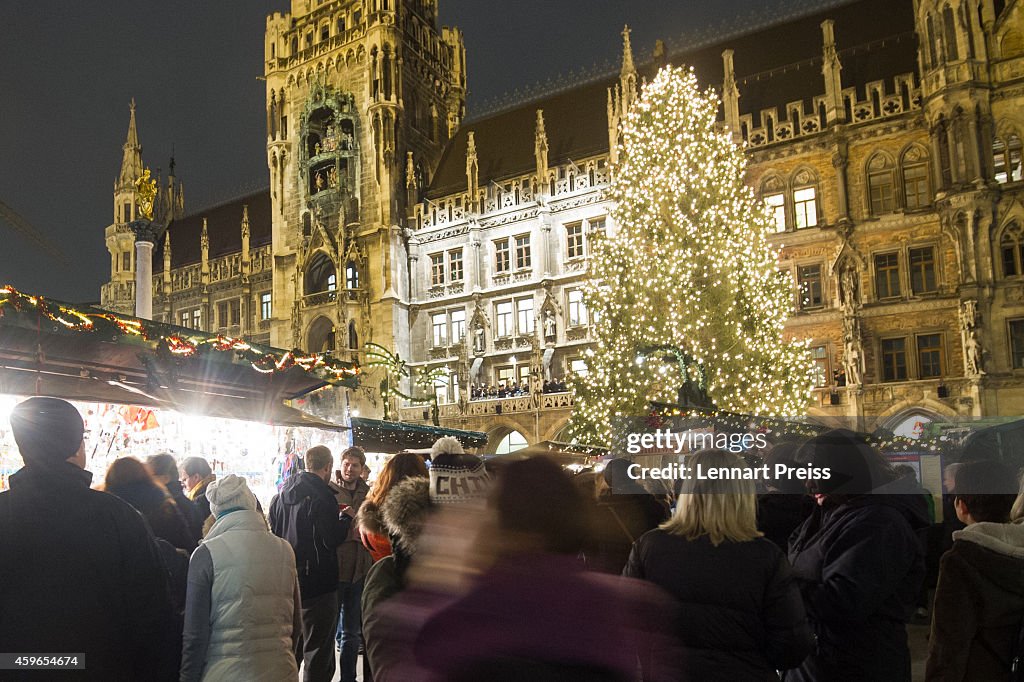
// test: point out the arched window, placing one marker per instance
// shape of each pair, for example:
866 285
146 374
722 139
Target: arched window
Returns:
773 193
353 336
949 31
933 55
510 443
1011 250
916 190
1011 44
881 184
1006 159
320 275
805 199
385 68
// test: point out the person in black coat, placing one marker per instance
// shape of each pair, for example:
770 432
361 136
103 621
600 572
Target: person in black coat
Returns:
785 503
858 561
306 514
165 471
79 570
127 478
624 511
740 612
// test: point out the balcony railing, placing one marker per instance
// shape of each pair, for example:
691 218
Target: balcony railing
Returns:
483 408
319 298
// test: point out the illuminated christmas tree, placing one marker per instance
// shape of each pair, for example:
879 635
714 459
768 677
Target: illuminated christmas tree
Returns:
687 292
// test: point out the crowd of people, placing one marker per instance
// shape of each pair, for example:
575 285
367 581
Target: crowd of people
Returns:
512 389
464 570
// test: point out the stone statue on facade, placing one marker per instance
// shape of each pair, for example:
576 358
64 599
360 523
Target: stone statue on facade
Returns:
853 352
550 326
848 288
972 354
478 338
969 337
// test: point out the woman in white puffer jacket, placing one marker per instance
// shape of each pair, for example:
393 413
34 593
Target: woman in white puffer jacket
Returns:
242 611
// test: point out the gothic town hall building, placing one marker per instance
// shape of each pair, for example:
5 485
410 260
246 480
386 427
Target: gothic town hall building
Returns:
889 152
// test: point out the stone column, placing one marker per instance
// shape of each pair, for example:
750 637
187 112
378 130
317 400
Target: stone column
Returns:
839 162
145 238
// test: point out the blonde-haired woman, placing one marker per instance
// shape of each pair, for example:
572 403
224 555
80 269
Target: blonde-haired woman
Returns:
740 616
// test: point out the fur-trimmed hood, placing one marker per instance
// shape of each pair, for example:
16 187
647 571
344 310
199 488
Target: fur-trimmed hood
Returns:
1004 538
405 511
370 518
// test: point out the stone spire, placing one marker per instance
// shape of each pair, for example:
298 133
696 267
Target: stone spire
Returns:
540 149
730 95
830 68
167 264
204 249
245 239
472 170
131 162
627 76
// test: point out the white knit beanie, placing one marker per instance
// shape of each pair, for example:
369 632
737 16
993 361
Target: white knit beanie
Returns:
455 477
228 494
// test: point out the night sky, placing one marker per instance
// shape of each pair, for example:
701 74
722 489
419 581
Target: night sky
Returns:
69 69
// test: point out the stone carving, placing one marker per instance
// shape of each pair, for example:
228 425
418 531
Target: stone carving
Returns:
853 351
550 326
479 340
969 337
849 288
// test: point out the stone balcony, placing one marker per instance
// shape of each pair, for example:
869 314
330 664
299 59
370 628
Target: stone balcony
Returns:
494 406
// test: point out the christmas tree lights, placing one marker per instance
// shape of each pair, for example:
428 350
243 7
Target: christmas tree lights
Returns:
689 268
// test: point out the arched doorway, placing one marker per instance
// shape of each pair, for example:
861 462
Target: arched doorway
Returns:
912 423
321 337
510 443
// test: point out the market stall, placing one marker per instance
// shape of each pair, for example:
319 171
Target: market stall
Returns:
145 387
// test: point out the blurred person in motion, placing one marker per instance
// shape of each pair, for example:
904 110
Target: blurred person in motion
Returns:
625 510
785 503
740 612
1017 510
536 613
433 523
243 616
858 562
127 478
306 514
372 531
979 601
79 568
354 560
165 471
196 475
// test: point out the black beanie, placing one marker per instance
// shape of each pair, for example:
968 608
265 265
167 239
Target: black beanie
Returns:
855 468
47 430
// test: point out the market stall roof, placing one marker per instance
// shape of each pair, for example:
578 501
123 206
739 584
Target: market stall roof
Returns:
87 354
377 435
566 452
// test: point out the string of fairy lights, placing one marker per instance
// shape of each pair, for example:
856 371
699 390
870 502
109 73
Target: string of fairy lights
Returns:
690 268
178 344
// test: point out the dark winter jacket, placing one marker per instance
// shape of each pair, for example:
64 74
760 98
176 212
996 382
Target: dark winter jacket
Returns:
387 633
740 613
159 510
860 565
305 514
201 505
779 514
80 573
619 521
188 509
979 604
588 627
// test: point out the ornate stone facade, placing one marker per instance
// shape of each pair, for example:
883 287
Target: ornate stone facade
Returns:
895 185
888 151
